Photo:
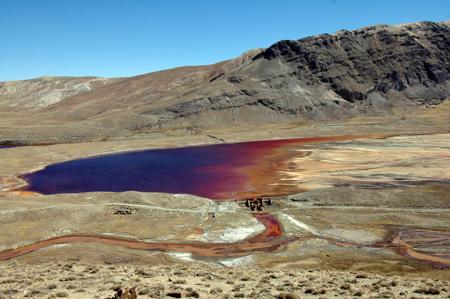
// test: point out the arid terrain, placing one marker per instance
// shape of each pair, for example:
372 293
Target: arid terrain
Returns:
360 210
374 71
74 279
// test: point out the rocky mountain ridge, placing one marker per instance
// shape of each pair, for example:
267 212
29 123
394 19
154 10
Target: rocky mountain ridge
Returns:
366 72
361 72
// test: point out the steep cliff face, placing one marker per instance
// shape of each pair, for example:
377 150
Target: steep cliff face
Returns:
376 59
371 71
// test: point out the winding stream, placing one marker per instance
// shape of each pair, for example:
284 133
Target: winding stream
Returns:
268 240
220 172
418 244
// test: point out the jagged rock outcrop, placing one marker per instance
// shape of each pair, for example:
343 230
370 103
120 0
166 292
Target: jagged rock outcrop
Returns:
374 59
368 71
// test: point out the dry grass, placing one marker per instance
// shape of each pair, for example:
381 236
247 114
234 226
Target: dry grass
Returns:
80 280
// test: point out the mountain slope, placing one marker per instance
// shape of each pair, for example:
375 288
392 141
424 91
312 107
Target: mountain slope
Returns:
41 92
366 72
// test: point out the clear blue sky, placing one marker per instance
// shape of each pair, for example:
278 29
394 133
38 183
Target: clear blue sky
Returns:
127 37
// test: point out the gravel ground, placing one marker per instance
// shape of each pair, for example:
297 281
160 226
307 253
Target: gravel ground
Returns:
83 280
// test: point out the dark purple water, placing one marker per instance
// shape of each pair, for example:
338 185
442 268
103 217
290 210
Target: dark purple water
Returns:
224 171
204 171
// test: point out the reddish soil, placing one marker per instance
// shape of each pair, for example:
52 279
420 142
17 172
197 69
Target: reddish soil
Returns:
269 240
412 243
429 246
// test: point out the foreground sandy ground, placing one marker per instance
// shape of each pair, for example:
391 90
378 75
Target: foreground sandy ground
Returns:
79 280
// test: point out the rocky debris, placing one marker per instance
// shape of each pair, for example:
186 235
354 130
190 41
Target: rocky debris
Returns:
192 293
123 212
234 79
174 294
287 296
208 281
427 291
125 293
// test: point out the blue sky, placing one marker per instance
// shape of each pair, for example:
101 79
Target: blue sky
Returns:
128 37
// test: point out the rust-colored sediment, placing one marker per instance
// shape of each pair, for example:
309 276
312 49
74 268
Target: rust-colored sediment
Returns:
269 240
413 243
270 158
425 245
428 246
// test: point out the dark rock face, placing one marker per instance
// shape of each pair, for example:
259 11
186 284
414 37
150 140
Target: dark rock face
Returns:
375 59
368 71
